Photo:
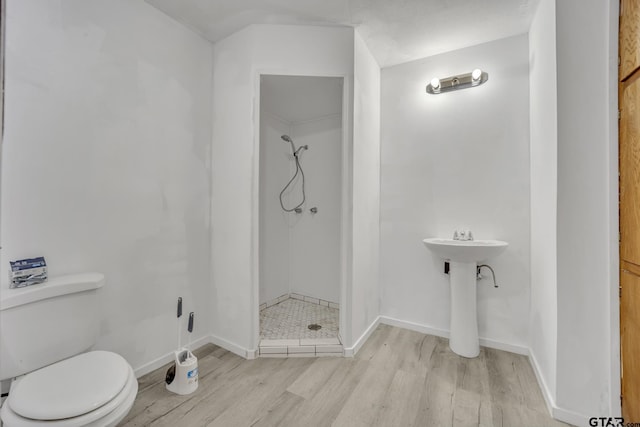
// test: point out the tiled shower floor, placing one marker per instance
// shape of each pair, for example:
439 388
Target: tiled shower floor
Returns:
284 329
290 318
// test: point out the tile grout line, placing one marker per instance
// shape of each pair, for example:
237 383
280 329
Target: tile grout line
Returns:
311 300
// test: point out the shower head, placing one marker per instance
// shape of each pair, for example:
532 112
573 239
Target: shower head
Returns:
302 147
290 141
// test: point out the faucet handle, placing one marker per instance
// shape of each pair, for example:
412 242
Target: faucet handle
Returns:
469 235
455 235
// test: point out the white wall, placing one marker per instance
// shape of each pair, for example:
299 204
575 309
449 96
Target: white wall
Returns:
238 60
452 160
543 317
105 160
574 302
275 248
587 206
364 295
315 238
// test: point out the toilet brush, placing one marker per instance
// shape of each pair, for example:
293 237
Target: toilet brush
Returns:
182 377
190 328
171 372
179 315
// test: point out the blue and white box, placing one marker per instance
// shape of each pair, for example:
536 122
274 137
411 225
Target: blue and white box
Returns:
26 272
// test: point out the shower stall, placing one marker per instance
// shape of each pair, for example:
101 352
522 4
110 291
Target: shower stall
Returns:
300 214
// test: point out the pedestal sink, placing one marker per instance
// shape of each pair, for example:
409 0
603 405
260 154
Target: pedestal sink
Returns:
463 257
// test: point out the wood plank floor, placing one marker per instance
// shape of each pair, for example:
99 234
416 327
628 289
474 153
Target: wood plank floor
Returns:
399 378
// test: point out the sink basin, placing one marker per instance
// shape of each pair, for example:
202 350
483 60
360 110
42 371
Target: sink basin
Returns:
465 250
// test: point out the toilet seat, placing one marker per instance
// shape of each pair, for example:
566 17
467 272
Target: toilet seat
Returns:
96 399
71 387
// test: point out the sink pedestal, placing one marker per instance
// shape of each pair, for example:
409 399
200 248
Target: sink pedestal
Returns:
463 339
463 256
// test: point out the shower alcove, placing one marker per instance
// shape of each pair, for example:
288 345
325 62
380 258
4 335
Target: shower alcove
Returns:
300 214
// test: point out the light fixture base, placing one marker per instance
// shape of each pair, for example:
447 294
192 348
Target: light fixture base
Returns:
461 81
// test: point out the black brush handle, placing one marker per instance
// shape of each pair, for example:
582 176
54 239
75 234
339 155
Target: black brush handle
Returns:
179 306
190 327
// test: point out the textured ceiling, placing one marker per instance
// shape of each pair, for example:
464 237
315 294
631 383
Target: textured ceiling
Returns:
395 31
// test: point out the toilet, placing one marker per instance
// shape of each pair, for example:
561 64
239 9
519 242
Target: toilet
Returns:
47 332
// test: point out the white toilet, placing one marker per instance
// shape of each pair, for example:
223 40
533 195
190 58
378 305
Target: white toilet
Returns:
45 332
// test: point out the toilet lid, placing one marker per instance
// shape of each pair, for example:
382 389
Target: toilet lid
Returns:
71 387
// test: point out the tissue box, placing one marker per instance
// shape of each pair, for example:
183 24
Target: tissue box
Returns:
27 272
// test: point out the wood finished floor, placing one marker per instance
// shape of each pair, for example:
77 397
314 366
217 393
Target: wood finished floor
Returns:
399 378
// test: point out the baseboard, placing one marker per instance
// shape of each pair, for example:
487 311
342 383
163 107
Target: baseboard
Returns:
351 351
546 393
559 414
499 345
163 360
570 417
232 347
424 329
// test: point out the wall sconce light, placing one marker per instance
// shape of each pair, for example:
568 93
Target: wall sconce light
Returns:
462 81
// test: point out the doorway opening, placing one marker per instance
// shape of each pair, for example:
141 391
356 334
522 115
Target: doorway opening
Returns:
300 215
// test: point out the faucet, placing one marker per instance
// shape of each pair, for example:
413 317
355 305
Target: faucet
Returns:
462 235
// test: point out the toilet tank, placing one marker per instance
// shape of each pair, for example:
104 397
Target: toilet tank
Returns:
42 324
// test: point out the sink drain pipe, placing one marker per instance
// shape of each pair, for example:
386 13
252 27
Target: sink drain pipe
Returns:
493 274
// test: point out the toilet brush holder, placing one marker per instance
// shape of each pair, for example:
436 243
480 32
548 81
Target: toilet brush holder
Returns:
182 377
